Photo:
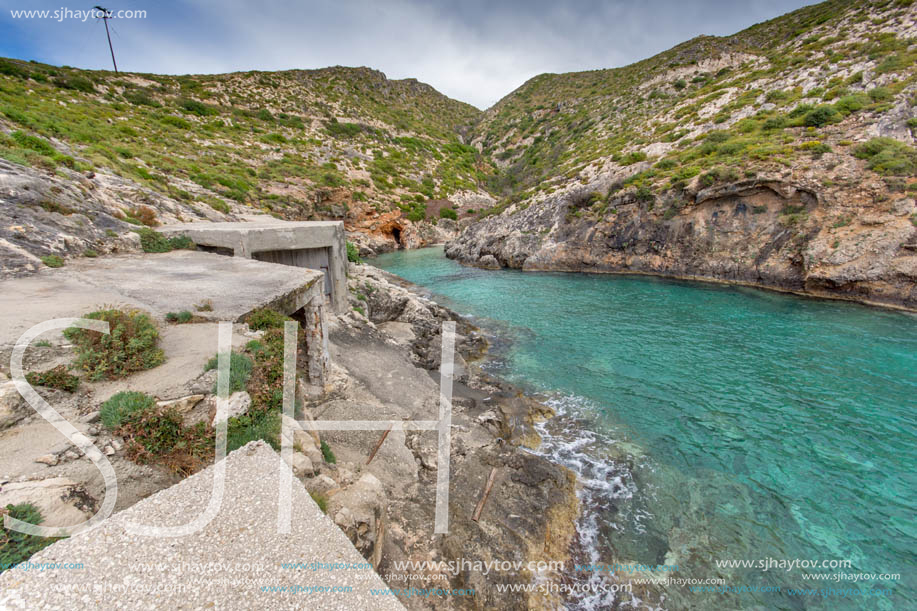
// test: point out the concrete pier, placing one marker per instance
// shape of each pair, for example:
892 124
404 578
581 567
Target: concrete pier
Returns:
318 245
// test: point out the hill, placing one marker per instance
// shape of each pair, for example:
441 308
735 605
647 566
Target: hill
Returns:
779 156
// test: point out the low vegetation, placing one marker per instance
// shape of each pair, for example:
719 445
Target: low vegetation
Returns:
59 377
16 547
122 405
154 242
179 318
130 345
240 370
327 454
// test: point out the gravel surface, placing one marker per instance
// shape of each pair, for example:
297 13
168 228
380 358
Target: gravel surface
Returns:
226 565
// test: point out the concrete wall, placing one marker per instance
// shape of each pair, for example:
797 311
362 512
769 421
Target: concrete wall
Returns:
310 244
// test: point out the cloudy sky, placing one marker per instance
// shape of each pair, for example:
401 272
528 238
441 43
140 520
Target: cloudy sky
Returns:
473 50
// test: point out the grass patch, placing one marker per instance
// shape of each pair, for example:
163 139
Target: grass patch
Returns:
130 345
153 241
240 370
321 500
57 377
327 454
16 547
52 261
179 318
252 427
122 405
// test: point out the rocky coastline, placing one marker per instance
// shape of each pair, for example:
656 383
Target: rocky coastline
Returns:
856 244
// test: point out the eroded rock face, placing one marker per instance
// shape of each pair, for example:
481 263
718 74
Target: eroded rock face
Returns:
857 242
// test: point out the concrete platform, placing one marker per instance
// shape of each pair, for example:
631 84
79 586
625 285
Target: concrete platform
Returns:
157 283
232 563
319 245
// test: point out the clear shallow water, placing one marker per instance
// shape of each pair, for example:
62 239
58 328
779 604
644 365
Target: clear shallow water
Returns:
715 423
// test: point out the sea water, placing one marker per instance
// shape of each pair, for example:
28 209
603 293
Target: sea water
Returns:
715 424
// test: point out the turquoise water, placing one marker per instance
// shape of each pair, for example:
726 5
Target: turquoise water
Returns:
715 423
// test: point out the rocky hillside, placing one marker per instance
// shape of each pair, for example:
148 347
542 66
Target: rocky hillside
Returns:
781 156
92 154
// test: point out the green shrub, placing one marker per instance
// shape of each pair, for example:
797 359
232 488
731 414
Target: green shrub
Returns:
57 377
888 157
75 82
448 213
266 318
130 345
140 97
90 253
179 318
633 157
153 241
879 94
52 261
33 143
122 405
821 116
240 370
198 108
353 253
680 84
327 454
175 122
16 547
851 103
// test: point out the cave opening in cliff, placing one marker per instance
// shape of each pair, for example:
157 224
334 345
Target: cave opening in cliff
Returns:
396 235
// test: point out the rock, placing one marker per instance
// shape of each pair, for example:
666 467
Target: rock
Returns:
359 510
204 383
315 455
303 439
183 404
70 455
321 483
117 444
239 402
47 459
91 417
109 451
62 502
302 466
488 262
13 407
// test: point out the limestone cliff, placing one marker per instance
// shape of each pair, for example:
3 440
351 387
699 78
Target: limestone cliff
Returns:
781 157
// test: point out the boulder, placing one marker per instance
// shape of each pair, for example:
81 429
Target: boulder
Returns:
13 407
62 502
183 404
239 402
488 262
302 466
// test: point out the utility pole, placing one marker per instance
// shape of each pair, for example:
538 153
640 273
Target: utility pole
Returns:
106 15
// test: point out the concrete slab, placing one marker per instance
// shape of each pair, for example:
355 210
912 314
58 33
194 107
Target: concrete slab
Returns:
157 283
230 564
310 244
